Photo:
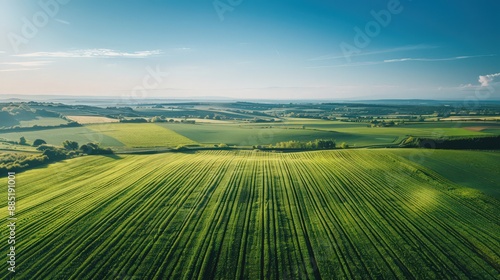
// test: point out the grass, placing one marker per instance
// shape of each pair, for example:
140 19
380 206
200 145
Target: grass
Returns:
233 134
92 119
220 214
475 169
142 135
121 135
43 121
58 135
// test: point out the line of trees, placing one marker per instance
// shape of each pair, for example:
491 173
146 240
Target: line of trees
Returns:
456 143
318 144
70 149
39 127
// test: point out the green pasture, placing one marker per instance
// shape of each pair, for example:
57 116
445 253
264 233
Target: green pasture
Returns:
367 214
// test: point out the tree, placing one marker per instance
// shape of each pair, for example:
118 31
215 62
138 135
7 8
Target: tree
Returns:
38 142
94 149
344 145
70 145
22 141
55 154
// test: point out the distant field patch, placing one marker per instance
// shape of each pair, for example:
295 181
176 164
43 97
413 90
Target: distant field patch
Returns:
56 136
92 119
43 121
482 128
471 118
142 135
233 134
475 169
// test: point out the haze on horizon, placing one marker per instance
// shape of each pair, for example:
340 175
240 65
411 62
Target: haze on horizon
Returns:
251 49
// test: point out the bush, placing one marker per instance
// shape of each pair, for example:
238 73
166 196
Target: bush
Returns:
38 142
94 149
70 145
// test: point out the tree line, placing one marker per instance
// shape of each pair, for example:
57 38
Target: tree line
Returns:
70 149
456 143
318 144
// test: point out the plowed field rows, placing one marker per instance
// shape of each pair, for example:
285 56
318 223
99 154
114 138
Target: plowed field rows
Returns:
228 215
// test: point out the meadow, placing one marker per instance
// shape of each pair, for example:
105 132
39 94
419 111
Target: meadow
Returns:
360 213
141 135
245 134
55 136
475 169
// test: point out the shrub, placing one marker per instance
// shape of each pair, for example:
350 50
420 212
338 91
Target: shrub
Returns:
38 142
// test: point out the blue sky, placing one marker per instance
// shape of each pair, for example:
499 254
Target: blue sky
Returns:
251 48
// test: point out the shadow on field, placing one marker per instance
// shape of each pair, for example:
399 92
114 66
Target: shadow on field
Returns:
113 156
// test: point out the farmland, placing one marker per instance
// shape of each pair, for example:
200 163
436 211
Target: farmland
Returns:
56 136
141 135
479 170
173 203
219 214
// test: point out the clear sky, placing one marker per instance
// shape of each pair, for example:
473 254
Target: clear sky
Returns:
293 49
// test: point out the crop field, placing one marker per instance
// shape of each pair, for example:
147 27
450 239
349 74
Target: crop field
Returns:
475 169
43 121
231 215
92 119
56 136
359 134
233 134
132 135
142 135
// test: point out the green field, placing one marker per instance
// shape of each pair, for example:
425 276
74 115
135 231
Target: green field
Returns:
43 121
355 134
241 135
141 135
228 215
116 135
149 135
57 135
475 169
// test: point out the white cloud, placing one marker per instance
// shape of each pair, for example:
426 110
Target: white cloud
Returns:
486 80
366 63
392 50
27 63
19 69
62 21
93 53
24 65
435 59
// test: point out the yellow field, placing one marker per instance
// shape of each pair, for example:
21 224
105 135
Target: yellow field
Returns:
91 119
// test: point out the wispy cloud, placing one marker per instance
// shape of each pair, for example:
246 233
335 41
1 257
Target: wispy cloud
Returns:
366 63
435 59
93 53
486 80
391 50
18 69
62 21
355 64
27 63
24 65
